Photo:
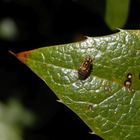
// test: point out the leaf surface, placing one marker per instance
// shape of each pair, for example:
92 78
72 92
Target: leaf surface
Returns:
102 100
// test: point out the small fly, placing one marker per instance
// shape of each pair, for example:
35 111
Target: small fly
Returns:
85 68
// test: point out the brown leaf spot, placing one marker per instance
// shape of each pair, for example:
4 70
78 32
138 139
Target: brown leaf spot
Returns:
23 56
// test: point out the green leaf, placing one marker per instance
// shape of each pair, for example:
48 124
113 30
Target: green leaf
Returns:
116 13
109 107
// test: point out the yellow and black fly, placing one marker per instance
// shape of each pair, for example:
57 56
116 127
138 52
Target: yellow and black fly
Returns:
85 68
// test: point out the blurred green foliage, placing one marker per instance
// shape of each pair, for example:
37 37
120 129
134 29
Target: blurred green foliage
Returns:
13 118
116 13
8 29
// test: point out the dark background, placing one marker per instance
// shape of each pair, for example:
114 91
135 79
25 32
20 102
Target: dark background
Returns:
43 23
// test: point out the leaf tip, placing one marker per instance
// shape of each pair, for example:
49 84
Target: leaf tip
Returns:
22 56
12 53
